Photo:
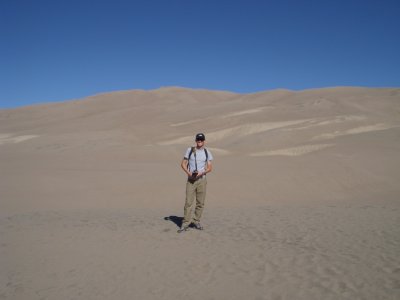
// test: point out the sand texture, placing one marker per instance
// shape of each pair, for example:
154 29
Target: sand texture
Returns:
303 202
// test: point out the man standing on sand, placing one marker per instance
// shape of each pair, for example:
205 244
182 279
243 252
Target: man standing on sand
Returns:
196 164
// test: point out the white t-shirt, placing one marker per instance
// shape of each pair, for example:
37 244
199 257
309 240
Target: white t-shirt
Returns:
200 159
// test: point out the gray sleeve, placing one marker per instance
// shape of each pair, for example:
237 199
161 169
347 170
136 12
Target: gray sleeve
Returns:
187 153
210 156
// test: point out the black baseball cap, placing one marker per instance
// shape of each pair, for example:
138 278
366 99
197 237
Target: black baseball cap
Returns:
200 137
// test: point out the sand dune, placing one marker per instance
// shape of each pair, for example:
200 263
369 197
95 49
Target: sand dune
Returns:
230 115
356 130
294 151
303 202
328 121
244 112
236 131
9 138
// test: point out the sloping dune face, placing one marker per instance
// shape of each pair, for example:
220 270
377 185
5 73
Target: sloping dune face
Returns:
169 117
239 125
349 130
302 202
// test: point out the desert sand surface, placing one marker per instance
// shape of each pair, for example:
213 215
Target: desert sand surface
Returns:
303 201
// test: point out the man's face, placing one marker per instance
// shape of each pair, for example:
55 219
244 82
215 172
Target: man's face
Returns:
200 143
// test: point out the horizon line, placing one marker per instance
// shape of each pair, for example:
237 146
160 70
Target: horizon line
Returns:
193 89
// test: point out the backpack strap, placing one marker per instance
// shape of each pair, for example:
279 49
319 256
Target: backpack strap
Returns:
192 149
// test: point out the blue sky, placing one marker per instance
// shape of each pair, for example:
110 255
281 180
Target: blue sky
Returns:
60 50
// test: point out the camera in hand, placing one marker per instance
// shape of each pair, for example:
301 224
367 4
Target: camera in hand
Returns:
194 174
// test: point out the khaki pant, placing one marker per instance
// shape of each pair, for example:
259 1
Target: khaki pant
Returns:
194 190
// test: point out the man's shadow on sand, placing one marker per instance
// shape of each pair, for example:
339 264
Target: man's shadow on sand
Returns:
175 219
178 221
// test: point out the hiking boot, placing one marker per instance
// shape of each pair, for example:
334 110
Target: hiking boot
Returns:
183 229
198 226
